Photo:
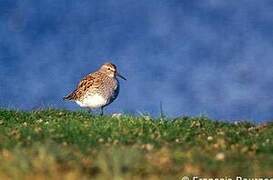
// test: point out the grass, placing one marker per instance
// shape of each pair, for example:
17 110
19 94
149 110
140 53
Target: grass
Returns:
59 144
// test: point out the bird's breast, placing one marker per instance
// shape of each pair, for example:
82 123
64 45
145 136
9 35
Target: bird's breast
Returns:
93 101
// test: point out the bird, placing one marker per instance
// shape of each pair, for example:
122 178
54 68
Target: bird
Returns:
98 89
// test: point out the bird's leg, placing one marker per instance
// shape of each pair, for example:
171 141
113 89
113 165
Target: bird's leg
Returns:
89 110
101 112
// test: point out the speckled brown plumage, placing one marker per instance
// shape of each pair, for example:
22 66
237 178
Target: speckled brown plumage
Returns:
93 80
102 84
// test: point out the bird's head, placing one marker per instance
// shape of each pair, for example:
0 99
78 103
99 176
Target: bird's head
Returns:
111 70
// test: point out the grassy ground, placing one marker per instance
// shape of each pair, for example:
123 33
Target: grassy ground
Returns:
58 144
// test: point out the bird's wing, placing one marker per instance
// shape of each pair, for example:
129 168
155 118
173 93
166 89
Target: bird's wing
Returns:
89 81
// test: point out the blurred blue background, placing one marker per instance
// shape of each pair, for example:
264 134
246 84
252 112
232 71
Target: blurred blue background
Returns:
211 57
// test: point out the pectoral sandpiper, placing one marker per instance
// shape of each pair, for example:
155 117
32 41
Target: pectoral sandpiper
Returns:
97 89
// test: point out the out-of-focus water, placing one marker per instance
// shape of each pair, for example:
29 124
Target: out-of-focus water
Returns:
210 57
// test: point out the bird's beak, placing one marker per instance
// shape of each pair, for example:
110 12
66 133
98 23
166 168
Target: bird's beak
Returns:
121 76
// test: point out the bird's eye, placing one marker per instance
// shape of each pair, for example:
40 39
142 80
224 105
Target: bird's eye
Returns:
109 68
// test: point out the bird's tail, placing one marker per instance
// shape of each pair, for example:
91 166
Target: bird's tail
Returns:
70 96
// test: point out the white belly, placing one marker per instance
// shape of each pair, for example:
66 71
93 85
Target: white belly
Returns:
94 101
